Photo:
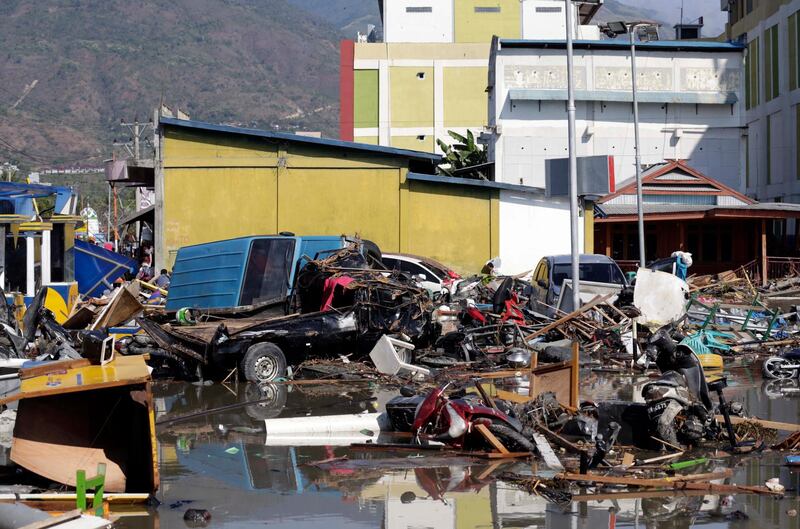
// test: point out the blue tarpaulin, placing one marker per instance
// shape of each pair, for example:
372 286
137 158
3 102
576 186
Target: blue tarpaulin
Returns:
96 268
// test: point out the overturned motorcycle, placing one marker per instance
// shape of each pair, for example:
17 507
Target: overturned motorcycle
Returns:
454 419
676 407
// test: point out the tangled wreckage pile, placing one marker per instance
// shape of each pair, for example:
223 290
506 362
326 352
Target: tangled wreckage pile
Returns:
480 370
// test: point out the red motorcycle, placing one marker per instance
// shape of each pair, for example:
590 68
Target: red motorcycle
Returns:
453 420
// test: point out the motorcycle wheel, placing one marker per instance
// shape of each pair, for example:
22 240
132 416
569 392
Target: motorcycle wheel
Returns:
513 440
775 368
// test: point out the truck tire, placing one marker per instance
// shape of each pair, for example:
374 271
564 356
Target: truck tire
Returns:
513 440
263 362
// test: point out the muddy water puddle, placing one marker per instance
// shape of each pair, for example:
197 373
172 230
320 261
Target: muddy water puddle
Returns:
221 461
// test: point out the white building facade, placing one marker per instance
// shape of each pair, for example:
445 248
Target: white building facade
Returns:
772 113
690 107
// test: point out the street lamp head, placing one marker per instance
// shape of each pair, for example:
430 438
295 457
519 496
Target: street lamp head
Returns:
644 29
617 28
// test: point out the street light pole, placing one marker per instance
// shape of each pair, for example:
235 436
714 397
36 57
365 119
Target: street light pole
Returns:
637 146
573 166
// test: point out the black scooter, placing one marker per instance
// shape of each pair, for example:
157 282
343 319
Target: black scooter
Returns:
679 406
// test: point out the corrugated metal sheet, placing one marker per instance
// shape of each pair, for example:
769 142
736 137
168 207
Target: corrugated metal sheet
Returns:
630 209
727 200
678 188
677 176
682 200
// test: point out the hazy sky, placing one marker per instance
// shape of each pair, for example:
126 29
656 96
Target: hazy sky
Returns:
670 10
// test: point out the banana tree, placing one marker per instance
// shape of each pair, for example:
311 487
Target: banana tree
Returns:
463 154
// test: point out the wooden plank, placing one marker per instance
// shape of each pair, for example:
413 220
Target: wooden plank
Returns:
627 459
511 397
54 520
59 366
498 455
547 453
643 482
544 330
775 425
662 458
634 495
489 436
560 441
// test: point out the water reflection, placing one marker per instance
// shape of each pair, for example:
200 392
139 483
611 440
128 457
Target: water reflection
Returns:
215 457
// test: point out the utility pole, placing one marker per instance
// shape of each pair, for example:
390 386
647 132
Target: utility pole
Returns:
133 145
637 147
573 166
612 30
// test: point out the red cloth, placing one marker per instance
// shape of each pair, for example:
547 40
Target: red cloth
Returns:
329 288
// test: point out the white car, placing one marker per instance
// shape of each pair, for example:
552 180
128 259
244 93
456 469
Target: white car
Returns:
432 275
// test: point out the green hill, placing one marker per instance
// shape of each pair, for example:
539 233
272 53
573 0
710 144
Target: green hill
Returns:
71 69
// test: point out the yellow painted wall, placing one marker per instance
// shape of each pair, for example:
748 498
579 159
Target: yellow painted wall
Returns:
465 97
218 186
209 204
411 97
371 140
325 202
472 26
457 226
202 149
414 143
422 50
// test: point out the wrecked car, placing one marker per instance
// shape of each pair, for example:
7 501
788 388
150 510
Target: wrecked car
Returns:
343 307
247 275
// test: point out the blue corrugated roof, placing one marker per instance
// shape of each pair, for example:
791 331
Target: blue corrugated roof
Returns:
620 44
452 180
285 136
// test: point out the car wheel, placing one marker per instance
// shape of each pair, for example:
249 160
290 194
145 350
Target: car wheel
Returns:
263 362
268 400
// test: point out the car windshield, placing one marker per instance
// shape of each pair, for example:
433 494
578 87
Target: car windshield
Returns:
268 268
437 270
597 272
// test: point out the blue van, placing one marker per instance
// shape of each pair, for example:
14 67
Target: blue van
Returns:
244 274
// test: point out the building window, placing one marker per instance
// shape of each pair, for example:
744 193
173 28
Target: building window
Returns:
423 9
625 242
797 141
751 75
794 46
749 7
710 243
495 9
768 150
747 162
771 75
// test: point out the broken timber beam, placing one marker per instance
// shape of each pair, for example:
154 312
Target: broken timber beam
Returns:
544 330
774 425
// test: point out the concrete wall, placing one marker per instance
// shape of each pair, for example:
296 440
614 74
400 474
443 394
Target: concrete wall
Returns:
410 21
414 111
453 96
479 20
532 227
217 186
527 105
773 126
